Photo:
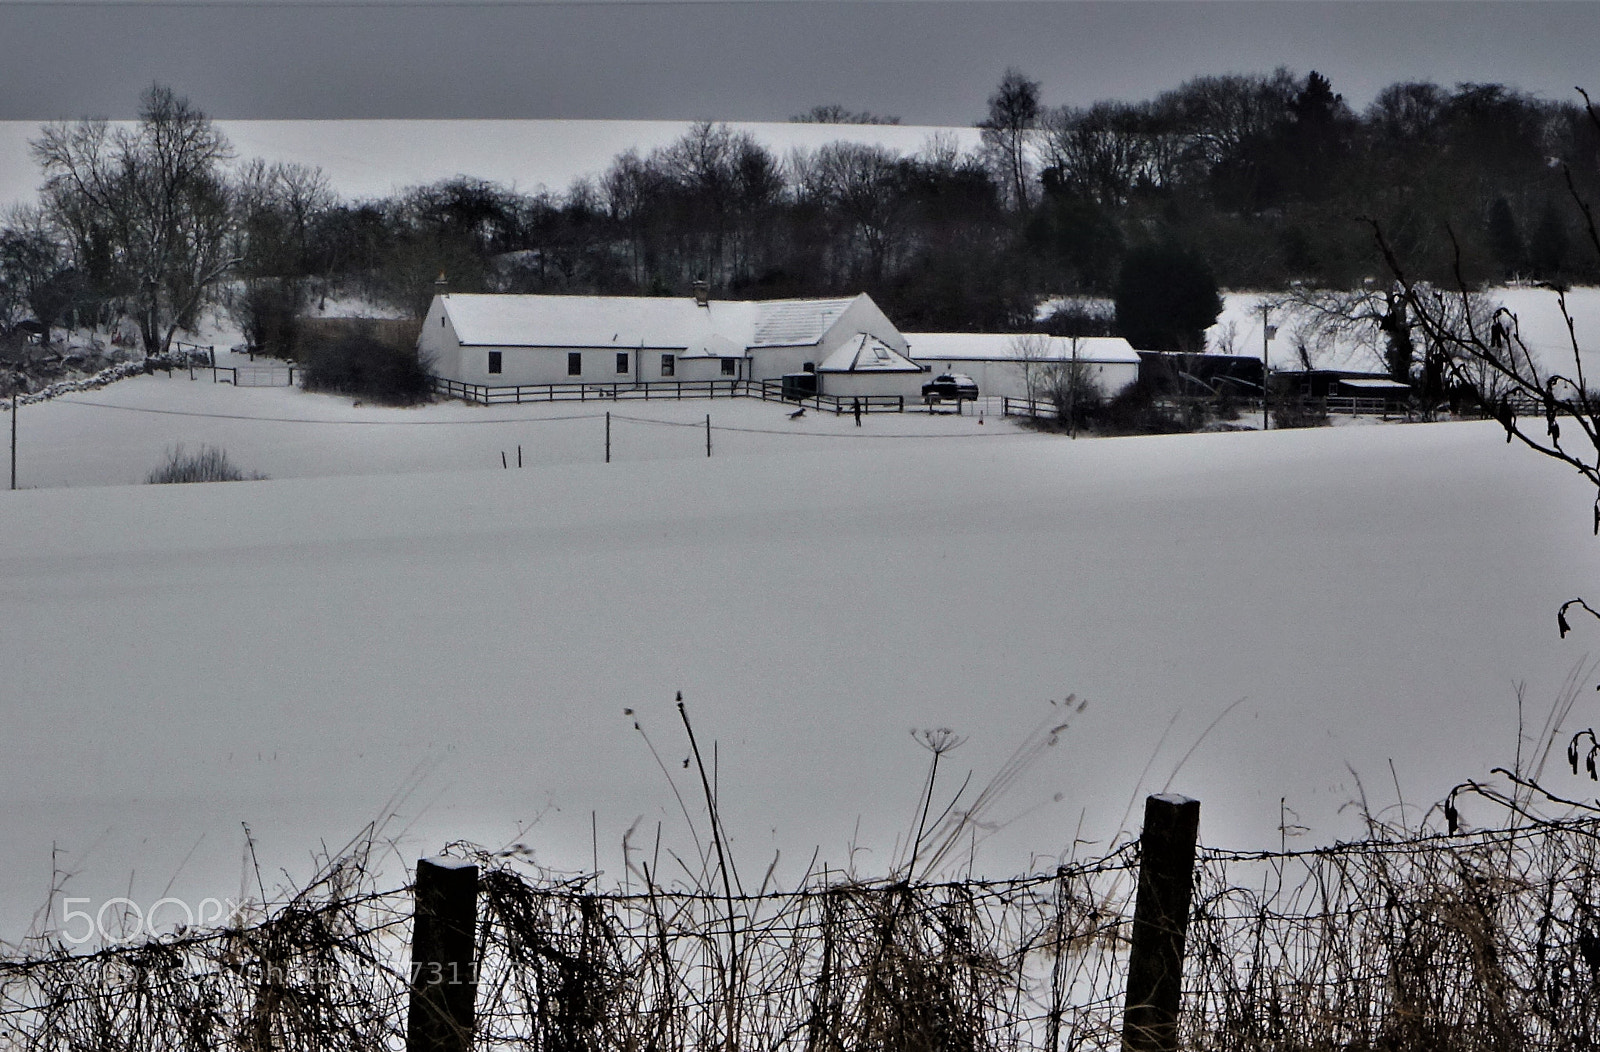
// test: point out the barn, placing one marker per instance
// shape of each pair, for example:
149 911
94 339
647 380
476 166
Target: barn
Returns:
1009 364
510 340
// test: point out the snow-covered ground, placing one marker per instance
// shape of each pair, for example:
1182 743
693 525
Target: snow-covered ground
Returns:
373 158
393 613
116 435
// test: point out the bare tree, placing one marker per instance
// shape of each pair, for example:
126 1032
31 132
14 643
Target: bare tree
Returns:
1032 351
1102 153
1008 132
35 271
1064 380
1380 320
860 185
147 205
1547 407
833 113
276 207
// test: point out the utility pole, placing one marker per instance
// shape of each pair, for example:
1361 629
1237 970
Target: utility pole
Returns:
1072 393
1267 333
13 440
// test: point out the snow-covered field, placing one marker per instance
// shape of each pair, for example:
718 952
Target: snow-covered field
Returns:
373 158
393 613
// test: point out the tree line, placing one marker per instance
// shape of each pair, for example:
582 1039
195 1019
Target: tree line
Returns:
1264 181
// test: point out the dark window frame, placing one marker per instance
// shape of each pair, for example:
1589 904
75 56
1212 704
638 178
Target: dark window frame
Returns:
669 365
496 362
574 363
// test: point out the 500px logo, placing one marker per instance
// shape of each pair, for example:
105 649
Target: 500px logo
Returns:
123 920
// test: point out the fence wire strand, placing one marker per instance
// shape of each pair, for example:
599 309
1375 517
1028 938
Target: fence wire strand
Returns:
1488 941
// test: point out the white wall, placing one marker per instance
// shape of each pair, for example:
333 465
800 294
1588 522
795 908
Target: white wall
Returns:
863 315
769 363
998 378
437 342
846 384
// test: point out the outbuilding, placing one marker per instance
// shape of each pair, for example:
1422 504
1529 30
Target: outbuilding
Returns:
510 340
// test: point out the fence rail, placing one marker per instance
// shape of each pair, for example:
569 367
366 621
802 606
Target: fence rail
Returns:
1354 406
766 390
838 405
1029 407
254 375
488 394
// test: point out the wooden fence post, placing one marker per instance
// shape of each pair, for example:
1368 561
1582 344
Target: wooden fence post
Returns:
444 980
1160 923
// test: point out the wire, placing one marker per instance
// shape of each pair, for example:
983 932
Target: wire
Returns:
300 420
698 425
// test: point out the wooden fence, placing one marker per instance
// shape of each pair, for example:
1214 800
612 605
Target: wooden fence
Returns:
838 405
487 394
766 390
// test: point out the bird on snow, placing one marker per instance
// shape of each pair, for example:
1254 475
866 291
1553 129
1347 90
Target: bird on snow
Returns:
798 413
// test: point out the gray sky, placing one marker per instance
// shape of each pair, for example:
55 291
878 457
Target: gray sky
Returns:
927 61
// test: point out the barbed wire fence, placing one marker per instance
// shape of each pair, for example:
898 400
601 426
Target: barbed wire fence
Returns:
1486 940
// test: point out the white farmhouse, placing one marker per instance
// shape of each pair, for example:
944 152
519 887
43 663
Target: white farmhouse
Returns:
1004 364
509 340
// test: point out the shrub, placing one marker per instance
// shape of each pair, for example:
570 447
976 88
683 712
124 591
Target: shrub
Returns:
358 363
1299 411
1140 409
208 465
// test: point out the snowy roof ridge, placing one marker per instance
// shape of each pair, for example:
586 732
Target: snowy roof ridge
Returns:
656 322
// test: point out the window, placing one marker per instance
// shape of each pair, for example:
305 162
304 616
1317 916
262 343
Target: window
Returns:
622 362
494 361
809 367
574 363
729 367
669 365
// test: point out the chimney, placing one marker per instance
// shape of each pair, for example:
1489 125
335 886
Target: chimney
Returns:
441 287
702 292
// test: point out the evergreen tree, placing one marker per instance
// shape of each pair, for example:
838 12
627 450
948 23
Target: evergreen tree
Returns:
1166 297
1505 241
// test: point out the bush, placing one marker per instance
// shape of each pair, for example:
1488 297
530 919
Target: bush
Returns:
1139 409
360 364
208 465
1299 411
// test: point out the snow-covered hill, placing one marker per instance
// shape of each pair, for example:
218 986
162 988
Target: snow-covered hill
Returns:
290 654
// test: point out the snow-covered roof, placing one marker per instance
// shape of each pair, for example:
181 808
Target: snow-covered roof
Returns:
1007 347
720 328
795 323
865 353
1374 383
